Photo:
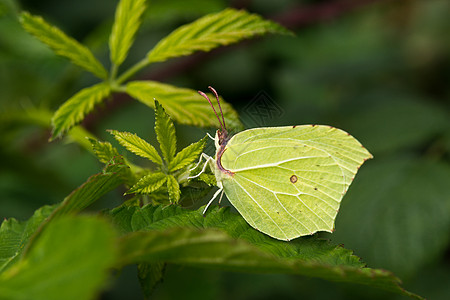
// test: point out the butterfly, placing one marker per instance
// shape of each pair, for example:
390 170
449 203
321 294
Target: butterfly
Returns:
286 181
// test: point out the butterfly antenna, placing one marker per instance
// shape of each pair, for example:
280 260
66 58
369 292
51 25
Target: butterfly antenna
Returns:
218 102
210 103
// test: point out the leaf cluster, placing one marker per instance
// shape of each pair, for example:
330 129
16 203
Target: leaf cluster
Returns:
171 166
184 105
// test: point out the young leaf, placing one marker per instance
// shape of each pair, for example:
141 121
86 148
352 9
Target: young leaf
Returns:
165 133
74 109
213 30
126 24
175 235
103 150
184 106
148 183
62 44
188 155
173 189
69 260
137 145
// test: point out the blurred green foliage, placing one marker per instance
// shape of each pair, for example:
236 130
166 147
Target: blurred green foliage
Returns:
379 71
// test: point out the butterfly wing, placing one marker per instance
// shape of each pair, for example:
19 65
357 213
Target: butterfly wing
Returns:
289 181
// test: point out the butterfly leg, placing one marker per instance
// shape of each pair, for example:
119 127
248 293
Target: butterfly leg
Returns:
210 136
221 195
212 199
207 158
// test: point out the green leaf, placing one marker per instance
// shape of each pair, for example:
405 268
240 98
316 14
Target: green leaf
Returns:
62 44
137 145
103 150
165 133
14 235
96 186
173 189
148 183
206 176
408 220
175 235
74 109
184 106
208 179
188 155
126 24
70 260
213 30
150 274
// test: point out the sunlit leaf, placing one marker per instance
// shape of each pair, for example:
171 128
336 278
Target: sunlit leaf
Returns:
165 133
188 155
126 24
184 105
148 183
137 145
213 30
173 189
62 44
103 150
77 107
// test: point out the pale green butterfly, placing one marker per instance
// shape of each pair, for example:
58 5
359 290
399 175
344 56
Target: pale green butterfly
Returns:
286 181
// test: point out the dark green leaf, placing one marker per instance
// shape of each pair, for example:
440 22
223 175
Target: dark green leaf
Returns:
165 133
402 210
178 236
126 24
150 274
188 155
184 106
62 44
76 108
148 183
96 186
213 30
69 260
194 194
137 145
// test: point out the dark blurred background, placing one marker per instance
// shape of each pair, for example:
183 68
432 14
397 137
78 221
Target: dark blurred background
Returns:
377 69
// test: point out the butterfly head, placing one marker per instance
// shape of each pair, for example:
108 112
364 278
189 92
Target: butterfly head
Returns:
221 138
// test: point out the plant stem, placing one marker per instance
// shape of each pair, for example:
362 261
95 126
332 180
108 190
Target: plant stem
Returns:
113 72
133 70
